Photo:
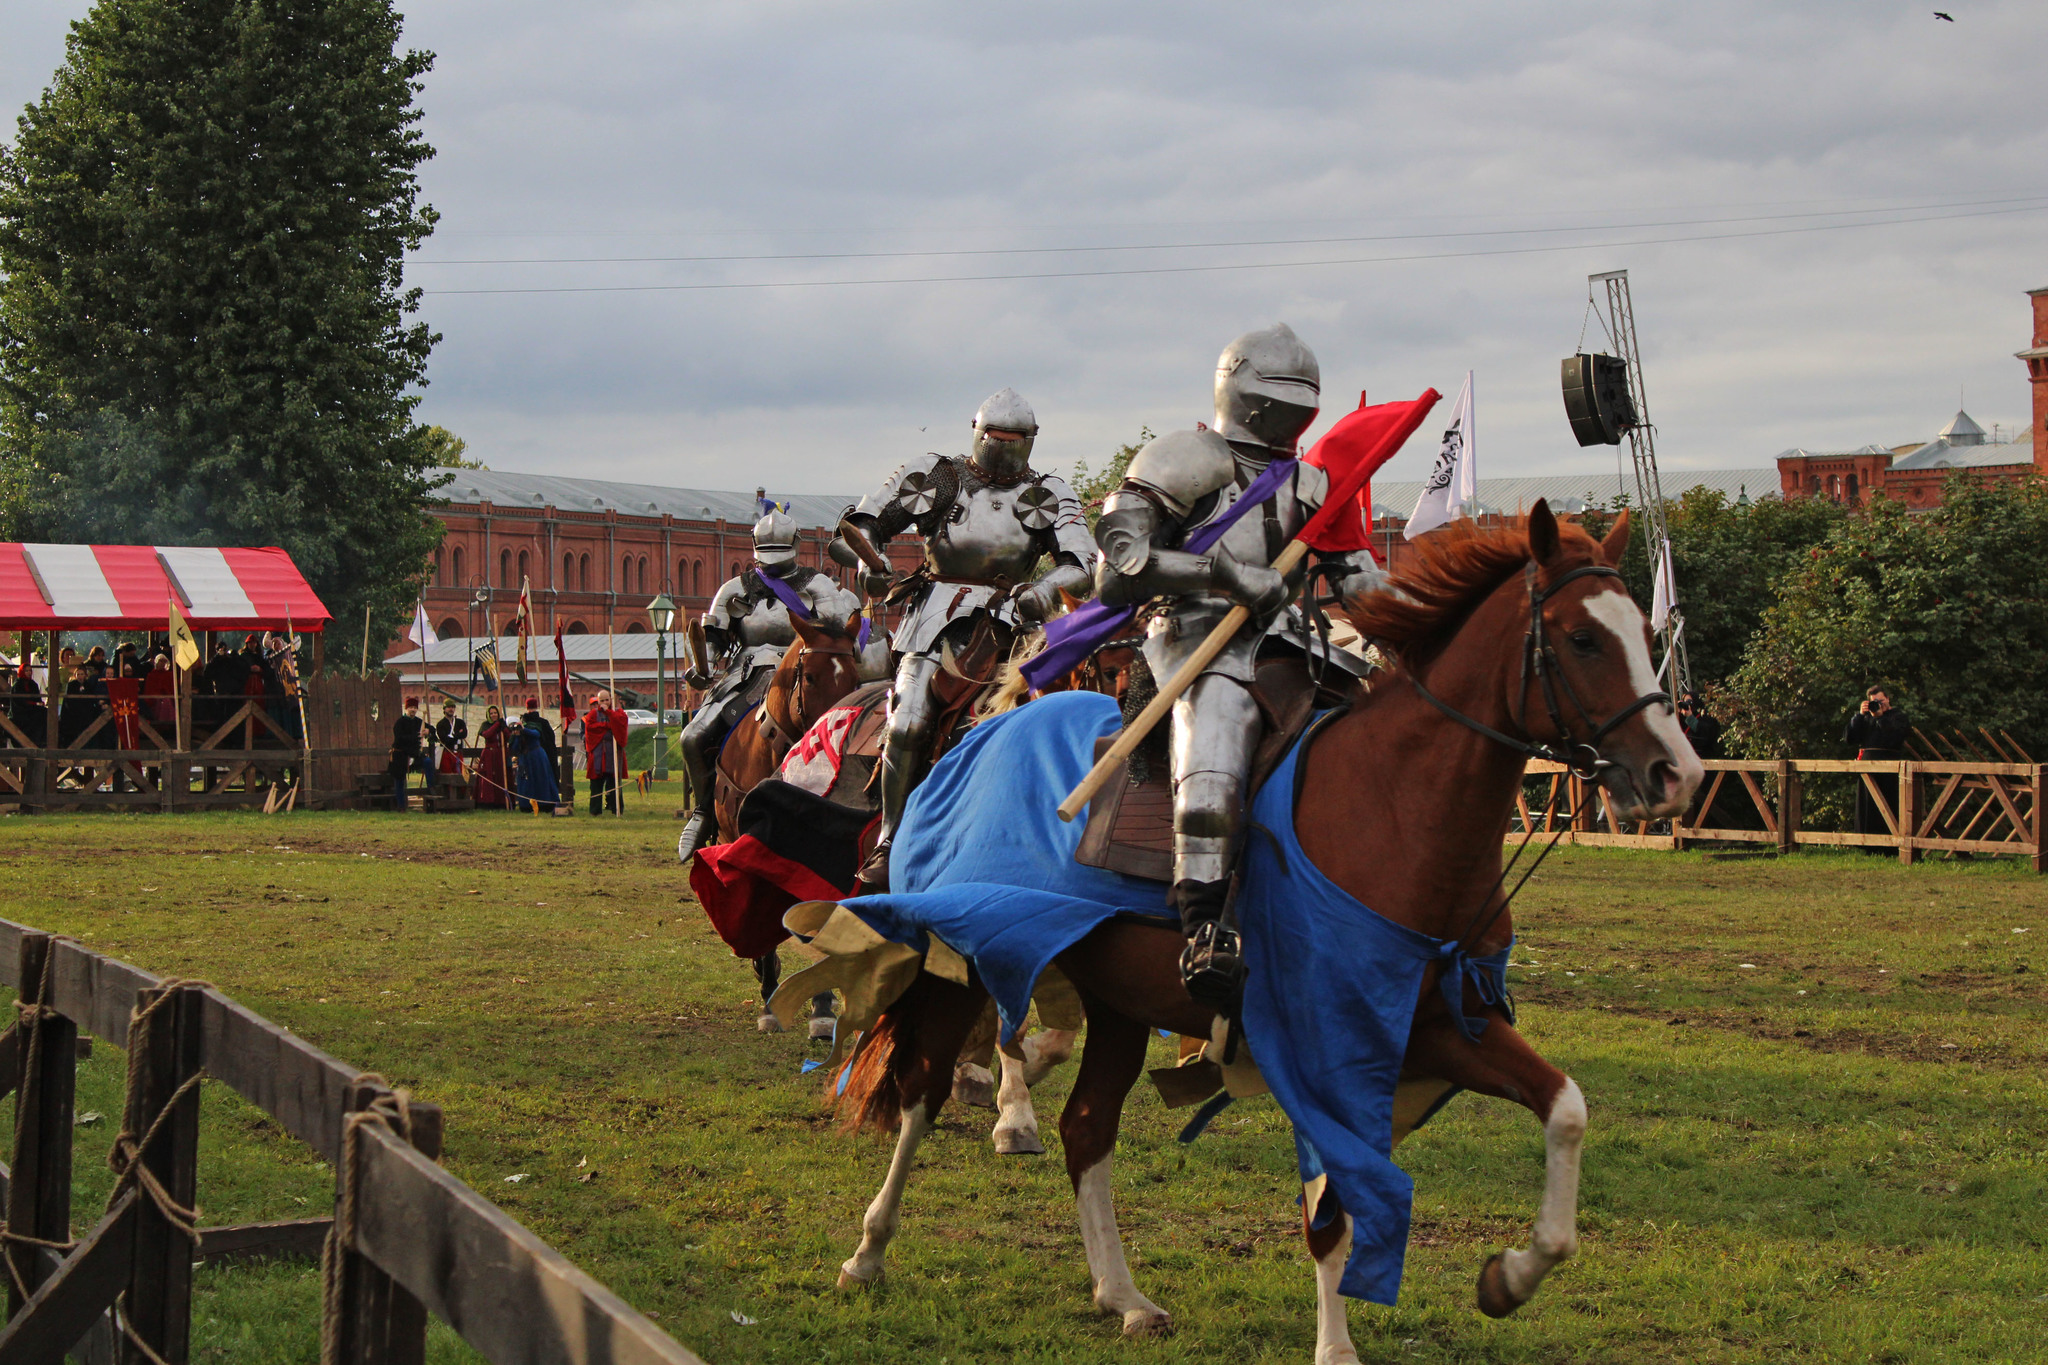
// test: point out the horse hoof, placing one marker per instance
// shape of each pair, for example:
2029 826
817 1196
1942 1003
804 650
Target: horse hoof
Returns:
850 1282
1147 1322
1495 1298
768 1023
1018 1142
822 1029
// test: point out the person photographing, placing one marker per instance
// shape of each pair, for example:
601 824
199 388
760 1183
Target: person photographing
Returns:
1878 733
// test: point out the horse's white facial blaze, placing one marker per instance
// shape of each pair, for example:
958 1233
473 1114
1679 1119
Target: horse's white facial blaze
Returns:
1617 612
1556 1235
1333 1330
1114 1290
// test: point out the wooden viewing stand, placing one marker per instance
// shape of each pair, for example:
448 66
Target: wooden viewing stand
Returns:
412 1239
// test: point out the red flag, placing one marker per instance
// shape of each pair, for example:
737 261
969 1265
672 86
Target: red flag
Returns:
1351 452
567 702
122 696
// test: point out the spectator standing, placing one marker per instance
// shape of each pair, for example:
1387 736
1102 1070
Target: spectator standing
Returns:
408 735
1878 733
494 745
1702 731
536 784
451 732
604 752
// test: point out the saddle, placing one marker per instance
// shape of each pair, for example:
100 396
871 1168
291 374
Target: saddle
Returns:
1130 825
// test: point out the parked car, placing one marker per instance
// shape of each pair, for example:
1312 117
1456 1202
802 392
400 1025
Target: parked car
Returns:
634 718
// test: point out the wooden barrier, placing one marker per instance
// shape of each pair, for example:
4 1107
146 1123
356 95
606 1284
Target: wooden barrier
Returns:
407 1239
1940 807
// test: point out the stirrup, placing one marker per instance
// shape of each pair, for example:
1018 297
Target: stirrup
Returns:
1212 967
873 877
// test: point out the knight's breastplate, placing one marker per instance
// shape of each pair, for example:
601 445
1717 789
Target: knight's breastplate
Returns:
1262 532
767 624
983 537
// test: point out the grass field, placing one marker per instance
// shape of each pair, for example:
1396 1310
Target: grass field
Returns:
1818 1121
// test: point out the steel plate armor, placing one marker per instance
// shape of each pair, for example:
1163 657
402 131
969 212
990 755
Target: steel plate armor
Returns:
986 520
1266 395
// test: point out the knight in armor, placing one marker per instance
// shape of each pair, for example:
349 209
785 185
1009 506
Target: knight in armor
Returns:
1268 389
987 520
748 631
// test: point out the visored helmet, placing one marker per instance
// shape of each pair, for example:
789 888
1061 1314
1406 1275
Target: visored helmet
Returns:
775 540
1004 460
1268 388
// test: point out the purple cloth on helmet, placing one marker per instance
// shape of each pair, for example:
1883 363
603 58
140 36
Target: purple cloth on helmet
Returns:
1070 639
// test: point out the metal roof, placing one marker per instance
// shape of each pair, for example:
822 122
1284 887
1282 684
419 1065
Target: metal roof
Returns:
1962 430
1942 454
536 491
1574 492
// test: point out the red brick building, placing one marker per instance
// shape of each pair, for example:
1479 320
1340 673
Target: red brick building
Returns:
1914 474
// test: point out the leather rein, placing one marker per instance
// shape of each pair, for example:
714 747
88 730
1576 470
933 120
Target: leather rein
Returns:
1582 758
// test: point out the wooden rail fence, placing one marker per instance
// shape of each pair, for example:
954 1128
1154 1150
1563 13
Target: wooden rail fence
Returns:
1937 806
407 1239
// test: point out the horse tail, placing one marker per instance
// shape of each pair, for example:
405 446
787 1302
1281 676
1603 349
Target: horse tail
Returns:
873 1094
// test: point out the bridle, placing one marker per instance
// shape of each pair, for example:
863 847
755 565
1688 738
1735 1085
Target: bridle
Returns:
1583 758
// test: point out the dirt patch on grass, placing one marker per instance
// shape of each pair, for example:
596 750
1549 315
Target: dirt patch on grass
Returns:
1921 1047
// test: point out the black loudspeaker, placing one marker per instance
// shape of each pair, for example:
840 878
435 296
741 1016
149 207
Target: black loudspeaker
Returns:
1596 399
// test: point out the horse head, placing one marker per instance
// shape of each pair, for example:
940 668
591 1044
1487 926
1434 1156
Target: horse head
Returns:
822 667
1588 686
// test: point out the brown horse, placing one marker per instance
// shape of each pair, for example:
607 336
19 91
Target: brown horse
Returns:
820 668
1504 641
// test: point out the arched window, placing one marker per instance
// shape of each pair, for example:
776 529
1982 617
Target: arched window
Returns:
642 567
625 574
437 566
583 574
576 628
568 572
504 568
522 566
682 577
449 629
696 578
461 579
1851 487
635 628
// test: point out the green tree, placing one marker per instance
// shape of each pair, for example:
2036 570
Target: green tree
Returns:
1727 562
204 333
1948 608
444 449
1091 487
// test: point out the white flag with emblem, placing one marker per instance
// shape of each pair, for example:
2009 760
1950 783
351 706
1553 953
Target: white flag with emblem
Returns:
1453 484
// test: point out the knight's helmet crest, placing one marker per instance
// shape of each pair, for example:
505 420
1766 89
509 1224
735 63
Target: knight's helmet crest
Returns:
1004 460
1268 388
775 540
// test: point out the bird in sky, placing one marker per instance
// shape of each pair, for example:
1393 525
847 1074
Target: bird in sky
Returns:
1944 14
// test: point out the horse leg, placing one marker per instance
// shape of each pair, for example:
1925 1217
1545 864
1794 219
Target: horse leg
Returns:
1329 1247
1503 1064
1016 1131
973 1084
824 1022
939 1017
1109 1068
1044 1050
768 971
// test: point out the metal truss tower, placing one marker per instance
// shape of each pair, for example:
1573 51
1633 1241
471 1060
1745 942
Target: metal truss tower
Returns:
1649 497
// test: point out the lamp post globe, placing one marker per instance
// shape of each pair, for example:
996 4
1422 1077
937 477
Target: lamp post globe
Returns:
661 614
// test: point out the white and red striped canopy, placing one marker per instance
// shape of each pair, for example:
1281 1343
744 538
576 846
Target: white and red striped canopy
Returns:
129 587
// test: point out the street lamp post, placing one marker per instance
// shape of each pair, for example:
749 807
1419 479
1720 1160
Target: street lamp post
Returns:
661 614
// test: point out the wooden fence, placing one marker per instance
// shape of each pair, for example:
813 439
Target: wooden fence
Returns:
407 1238
1934 806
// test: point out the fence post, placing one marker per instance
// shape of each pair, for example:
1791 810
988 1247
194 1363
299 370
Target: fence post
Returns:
378 1322
39 1184
1908 812
1788 805
2040 817
158 1301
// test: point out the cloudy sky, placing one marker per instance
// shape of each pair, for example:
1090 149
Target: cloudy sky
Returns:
1419 189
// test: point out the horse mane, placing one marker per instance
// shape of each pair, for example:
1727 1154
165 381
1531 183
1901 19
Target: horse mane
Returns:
1452 570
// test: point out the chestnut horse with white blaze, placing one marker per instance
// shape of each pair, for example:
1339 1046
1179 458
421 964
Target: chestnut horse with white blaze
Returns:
1507 643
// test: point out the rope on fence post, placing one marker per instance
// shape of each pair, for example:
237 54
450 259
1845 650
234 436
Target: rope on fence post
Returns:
390 1110
38 1210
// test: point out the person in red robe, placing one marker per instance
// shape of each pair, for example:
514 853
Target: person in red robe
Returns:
160 701
604 752
495 742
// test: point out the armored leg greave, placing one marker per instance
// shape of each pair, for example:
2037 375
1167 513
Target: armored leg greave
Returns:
906 750
698 743
1215 728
